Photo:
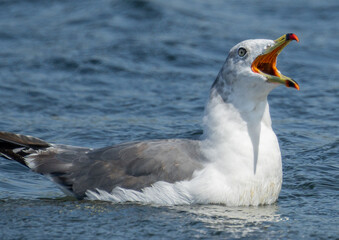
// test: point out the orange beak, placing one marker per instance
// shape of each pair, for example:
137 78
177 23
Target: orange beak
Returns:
265 64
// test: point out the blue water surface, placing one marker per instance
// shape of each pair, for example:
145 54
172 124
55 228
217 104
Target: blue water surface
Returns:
96 73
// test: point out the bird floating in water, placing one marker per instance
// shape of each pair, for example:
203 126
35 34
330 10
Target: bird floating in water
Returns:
237 161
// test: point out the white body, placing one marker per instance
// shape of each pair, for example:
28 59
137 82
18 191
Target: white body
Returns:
244 169
244 161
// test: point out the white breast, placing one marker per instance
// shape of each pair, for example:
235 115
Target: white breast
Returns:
245 160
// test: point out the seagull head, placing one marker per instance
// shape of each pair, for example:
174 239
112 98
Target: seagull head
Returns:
250 70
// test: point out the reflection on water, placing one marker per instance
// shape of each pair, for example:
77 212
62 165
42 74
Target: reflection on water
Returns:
238 221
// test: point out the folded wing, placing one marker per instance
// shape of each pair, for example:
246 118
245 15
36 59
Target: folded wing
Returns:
133 165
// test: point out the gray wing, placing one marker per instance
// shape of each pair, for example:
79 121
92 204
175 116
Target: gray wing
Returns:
131 165
137 165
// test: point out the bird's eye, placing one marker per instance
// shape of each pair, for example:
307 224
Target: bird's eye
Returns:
242 52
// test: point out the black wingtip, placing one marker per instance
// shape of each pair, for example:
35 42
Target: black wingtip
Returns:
15 147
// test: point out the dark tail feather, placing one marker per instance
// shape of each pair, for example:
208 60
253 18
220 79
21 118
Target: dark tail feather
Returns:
16 146
41 157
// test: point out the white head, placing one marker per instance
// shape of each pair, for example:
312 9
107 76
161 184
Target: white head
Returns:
249 72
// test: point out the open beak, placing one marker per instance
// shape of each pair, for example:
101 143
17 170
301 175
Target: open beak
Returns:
265 64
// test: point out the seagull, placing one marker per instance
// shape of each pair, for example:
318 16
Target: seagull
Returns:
236 162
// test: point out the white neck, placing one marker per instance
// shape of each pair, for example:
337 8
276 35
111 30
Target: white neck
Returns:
232 131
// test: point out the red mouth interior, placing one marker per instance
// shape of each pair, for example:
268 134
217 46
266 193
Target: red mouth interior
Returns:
266 63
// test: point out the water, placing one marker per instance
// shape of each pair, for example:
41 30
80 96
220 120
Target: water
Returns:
101 72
